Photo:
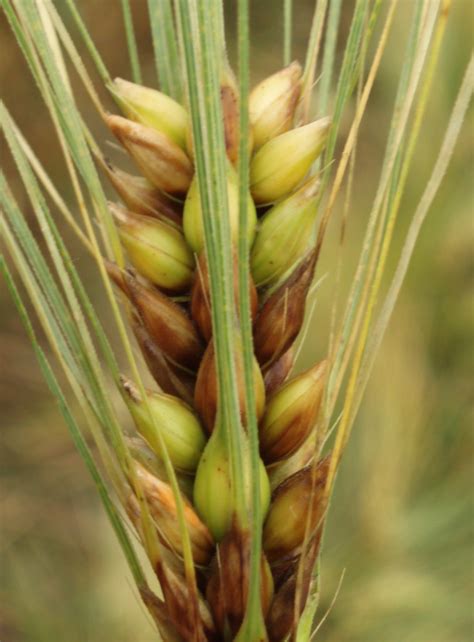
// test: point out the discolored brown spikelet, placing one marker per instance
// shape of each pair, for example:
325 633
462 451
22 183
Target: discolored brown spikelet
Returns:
205 392
290 598
291 414
230 112
227 589
144 455
281 317
159 613
279 371
164 373
140 196
163 510
167 323
188 613
160 160
201 298
297 499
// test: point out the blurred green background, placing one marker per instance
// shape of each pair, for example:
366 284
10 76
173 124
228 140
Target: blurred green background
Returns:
401 521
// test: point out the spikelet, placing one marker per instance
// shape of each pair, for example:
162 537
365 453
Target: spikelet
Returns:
281 317
227 588
291 413
201 296
153 109
282 163
230 113
297 499
165 321
144 455
294 581
206 393
167 376
163 511
213 488
178 601
156 249
278 372
173 420
167 295
272 104
284 234
159 159
141 197
192 216
159 612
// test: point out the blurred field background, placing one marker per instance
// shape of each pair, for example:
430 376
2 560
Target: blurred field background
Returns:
401 521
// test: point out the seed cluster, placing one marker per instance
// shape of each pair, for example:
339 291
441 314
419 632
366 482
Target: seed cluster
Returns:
167 286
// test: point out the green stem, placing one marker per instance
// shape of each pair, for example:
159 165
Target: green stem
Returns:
253 625
202 51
